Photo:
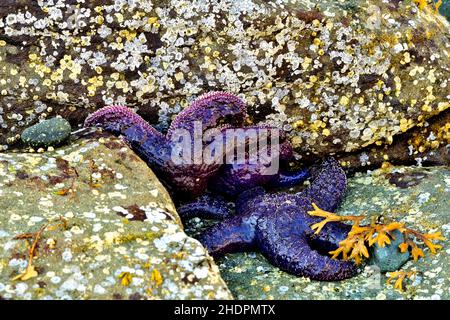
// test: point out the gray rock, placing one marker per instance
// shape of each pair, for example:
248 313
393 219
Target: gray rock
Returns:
445 8
110 235
389 257
422 205
51 132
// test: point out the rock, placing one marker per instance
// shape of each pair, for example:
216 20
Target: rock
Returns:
343 75
444 9
389 258
109 235
428 145
422 205
51 132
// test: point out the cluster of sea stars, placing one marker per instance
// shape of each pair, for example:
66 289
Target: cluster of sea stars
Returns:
277 224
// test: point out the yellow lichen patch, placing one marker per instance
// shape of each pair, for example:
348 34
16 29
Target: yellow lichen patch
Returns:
156 277
421 4
125 278
344 101
405 124
152 20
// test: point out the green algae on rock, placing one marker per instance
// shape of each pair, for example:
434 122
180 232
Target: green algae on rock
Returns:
51 132
342 75
121 237
422 206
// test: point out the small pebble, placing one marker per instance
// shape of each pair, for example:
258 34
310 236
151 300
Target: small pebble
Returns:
47 133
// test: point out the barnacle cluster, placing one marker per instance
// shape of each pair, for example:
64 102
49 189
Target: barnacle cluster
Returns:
340 76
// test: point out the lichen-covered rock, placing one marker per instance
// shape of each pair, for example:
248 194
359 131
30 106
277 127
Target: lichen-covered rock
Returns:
51 132
415 195
389 257
104 233
427 145
341 74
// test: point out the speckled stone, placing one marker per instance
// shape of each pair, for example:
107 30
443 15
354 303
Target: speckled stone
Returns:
339 75
389 257
51 132
122 237
444 9
422 205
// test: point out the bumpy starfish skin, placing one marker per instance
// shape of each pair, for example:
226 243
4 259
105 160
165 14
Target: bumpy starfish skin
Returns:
217 111
279 226
154 148
212 110
117 118
234 178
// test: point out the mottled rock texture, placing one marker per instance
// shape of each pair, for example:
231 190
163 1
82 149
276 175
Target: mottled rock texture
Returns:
51 132
342 75
444 9
418 196
389 257
110 235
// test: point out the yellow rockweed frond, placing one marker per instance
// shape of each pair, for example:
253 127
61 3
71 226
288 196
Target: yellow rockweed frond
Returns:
360 238
329 217
403 247
125 278
400 276
438 5
417 253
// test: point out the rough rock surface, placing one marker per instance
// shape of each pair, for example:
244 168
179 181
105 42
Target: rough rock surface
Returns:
444 9
427 145
110 235
417 196
389 257
51 132
342 74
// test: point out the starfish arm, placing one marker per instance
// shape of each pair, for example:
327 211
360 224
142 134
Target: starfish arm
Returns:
282 239
117 119
235 234
234 179
328 186
288 179
260 160
247 200
207 206
211 110
329 237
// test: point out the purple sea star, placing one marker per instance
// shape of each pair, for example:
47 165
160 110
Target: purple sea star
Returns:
276 224
279 226
215 110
